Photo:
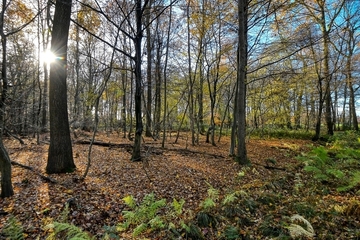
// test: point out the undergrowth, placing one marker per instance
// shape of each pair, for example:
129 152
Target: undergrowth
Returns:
337 165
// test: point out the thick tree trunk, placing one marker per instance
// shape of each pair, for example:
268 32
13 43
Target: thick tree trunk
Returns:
5 164
5 167
352 100
60 158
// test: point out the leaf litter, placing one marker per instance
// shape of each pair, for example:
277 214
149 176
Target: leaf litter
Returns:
179 171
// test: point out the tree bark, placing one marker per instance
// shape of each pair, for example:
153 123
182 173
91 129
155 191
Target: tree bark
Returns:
241 155
5 164
136 156
149 50
60 158
165 78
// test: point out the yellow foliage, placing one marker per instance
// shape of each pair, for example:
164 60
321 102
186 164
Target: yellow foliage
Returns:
89 19
19 13
353 209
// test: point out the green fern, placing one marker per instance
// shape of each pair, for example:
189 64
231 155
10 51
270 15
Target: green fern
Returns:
230 198
184 226
337 173
157 223
354 181
110 233
178 206
139 229
213 193
142 216
130 201
231 233
70 231
13 229
207 204
321 154
64 215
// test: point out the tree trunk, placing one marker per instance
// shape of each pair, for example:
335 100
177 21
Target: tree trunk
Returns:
45 35
241 155
165 78
349 80
136 155
5 163
60 158
191 81
124 105
5 167
149 50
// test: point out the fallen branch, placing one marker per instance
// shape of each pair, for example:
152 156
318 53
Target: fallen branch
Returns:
104 144
270 167
33 170
14 136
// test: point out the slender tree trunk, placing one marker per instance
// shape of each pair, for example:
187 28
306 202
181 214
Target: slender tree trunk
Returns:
136 156
124 104
165 78
45 36
320 109
149 50
157 110
241 155
234 123
191 81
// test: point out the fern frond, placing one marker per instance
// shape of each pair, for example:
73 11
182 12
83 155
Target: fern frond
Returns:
184 226
64 215
13 229
354 181
335 172
72 232
213 193
140 229
122 226
178 206
129 216
156 223
297 230
208 203
230 198
130 201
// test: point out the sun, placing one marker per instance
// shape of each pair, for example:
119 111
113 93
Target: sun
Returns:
47 57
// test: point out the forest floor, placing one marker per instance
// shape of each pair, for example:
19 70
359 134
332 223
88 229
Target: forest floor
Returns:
179 171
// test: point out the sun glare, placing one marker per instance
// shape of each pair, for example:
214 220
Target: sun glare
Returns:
47 57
